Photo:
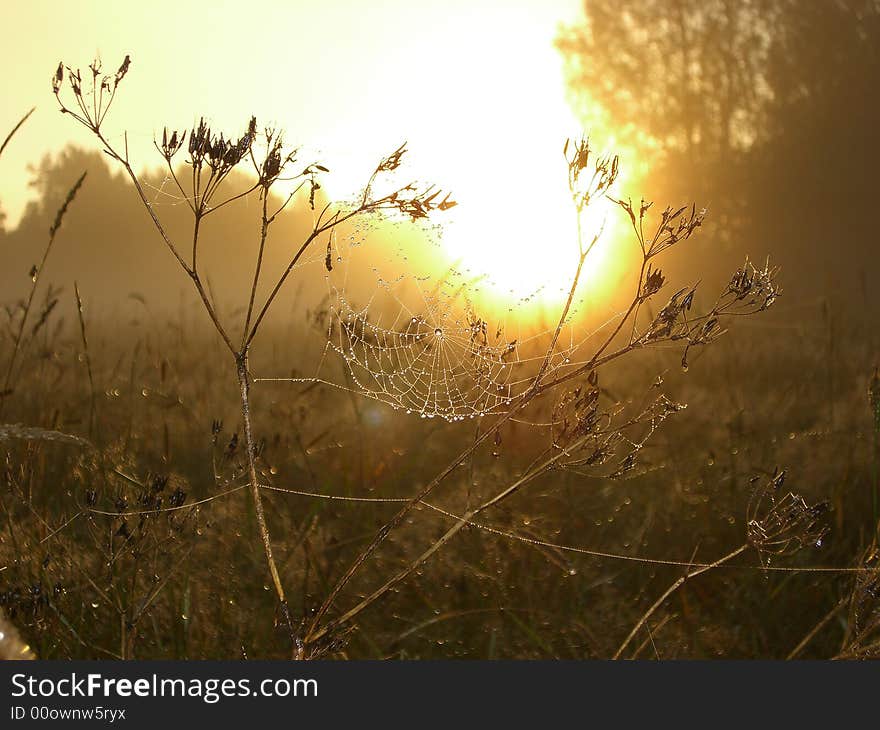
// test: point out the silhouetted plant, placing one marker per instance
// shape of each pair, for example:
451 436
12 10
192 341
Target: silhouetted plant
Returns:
211 157
589 433
19 317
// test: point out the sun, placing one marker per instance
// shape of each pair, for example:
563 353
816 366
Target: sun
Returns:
527 248
488 125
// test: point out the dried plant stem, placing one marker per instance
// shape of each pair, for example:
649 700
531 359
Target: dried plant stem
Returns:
241 367
191 271
551 348
650 638
264 233
85 341
672 589
241 358
123 160
793 654
317 231
244 390
15 129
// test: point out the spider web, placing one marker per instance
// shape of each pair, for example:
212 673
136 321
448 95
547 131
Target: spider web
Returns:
418 342
442 361
425 344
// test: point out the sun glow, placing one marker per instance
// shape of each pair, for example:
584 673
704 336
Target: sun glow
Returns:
532 251
476 89
491 130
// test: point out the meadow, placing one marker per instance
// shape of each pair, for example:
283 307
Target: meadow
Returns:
192 583
240 419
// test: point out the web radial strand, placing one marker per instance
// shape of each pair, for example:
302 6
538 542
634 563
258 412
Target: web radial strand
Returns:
439 363
437 346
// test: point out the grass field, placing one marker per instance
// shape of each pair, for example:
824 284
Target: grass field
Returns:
281 440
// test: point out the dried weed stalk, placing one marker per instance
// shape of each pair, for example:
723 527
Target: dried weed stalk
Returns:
18 318
211 156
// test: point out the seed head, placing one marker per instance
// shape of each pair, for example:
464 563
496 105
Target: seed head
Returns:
783 523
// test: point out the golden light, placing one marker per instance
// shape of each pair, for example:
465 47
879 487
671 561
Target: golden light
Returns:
493 135
476 89
530 251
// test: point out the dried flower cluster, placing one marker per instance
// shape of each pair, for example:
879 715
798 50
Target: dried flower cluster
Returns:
862 640
782 523
94 101
588 184
753 288
674 225
590 435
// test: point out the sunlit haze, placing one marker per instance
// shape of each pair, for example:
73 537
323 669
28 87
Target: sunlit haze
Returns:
476 89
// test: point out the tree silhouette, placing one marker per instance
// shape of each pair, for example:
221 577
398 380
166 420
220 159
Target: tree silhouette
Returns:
765 106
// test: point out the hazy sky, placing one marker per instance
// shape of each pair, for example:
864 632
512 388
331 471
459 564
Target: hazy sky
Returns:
475 86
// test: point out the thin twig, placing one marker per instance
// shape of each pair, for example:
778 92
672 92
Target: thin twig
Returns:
85 341
802 644
15 129
669 591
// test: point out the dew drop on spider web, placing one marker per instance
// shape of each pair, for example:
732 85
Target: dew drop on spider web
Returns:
424 341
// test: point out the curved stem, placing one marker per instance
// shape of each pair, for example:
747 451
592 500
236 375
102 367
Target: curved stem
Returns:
803 643
672 589
15 129
190 270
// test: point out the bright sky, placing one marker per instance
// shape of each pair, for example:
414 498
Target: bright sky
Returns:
475 87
